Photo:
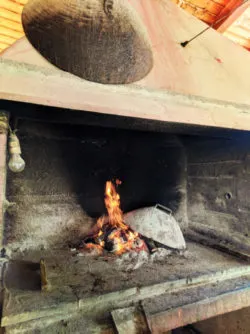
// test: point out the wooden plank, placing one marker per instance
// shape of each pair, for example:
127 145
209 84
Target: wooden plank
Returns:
21 2
12 16
188 314
205 68
7 39
3 46
12 6
11 25
10 32
233 322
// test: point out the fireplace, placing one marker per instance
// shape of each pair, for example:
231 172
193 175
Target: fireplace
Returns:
201 175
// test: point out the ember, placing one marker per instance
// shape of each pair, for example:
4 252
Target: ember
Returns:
111 233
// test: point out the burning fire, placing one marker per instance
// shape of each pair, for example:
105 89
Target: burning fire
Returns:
112 203
112 233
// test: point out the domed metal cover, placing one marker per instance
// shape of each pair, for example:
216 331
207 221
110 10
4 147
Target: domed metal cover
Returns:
99 40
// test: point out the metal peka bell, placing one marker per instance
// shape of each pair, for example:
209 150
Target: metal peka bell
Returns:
99 40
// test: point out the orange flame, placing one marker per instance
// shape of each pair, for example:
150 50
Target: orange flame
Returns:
112 202
122 237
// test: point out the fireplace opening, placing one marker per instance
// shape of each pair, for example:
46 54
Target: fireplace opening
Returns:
56 201
183 227
60 194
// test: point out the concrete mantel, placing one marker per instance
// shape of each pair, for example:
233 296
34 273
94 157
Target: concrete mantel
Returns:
206 83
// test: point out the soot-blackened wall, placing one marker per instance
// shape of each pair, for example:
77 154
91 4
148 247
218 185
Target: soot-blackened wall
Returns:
67 167
219 182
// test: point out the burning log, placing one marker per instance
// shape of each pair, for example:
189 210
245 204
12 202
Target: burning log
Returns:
111 233
114 240
155 228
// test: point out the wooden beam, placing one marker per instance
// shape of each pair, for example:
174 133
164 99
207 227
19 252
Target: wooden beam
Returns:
233 17
205 309
230 5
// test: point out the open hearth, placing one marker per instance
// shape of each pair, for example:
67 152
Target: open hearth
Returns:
57 200
60 194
